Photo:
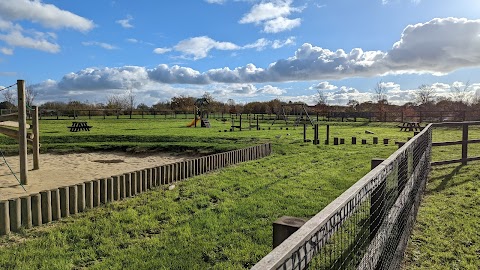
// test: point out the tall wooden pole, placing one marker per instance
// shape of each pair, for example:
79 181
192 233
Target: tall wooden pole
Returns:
22 132
36 139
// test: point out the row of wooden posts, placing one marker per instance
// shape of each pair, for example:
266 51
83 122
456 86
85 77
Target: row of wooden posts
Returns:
336 140
57 203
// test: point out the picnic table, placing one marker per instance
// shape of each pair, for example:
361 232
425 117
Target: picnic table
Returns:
410 126
78 126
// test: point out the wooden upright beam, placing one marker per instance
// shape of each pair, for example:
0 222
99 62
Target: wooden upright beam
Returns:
36 139
22 132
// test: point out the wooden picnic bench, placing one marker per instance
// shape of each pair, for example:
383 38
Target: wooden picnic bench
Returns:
410 126
78 126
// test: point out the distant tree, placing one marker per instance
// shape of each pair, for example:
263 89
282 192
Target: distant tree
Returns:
380 92
353 104
424 95
143 107
10 99
321 98
130 99
460 92
30 95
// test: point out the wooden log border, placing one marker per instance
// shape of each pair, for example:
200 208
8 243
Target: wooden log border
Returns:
40 208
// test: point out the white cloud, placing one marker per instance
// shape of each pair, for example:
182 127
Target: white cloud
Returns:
99 44
281 24
125 23
40 42
271 90
273 15
277 44
46 14
423 48
132 40
161 50
259 45
324 86
6 51
215 1
198 47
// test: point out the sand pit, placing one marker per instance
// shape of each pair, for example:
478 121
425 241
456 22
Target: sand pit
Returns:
58 170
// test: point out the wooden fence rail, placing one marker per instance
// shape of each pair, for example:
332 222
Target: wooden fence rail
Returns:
464 142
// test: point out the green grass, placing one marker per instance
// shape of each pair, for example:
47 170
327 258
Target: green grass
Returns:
447 232
221 220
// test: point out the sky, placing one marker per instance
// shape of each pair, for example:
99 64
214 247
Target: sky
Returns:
245 50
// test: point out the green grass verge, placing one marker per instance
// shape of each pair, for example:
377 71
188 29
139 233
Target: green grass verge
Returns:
447 232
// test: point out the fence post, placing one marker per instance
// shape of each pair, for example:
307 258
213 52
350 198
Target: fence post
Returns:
464 143
377 202
22 131
36 139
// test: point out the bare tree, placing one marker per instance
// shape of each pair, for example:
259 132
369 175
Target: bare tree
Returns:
130 99
322 99
9 98
461 92
380 92
30 95
117 102
425 94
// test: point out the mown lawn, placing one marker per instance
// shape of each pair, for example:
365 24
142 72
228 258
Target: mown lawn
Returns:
447 232
221 220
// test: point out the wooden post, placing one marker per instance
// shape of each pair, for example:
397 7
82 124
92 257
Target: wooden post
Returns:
36 139
328 134
377 202
22 132
464 144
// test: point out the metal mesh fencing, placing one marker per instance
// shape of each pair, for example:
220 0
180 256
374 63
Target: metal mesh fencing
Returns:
367 227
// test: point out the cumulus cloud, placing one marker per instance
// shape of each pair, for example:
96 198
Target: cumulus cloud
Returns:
125 23
423 48
46 14
6 51
198 47
324 86
260 44
273 16
429 47
277 44
281 24
161 50
106 46
38 41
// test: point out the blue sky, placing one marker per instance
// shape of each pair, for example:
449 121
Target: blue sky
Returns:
245 50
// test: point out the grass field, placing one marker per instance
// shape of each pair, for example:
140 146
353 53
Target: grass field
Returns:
221 220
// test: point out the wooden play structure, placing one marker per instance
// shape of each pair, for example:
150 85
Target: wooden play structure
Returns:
201 114
299 110
15 125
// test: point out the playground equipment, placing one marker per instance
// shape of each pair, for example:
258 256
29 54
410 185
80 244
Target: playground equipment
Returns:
239 126
298 109
201 114
21 135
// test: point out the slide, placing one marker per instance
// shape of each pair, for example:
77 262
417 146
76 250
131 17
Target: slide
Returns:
193 122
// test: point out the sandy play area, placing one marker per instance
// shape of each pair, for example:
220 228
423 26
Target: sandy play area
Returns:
58 170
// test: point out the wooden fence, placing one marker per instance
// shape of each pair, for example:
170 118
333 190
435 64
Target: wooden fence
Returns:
41 208
464 142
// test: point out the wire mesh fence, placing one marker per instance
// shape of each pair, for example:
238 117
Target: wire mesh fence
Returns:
367 227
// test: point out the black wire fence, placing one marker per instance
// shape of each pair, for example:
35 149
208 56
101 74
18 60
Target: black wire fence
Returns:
367 227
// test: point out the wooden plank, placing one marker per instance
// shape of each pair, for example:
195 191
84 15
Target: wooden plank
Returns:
9 117
445 162
450 124
454 142
13 133
12 124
